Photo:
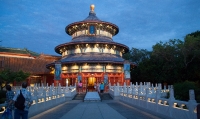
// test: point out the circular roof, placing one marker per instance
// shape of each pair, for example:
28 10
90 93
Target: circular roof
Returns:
92 18
91 40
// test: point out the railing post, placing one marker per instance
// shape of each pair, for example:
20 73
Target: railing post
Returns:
192 104
35 95
171 101
158 91
44 94
59 89
124 88
116 91
146 97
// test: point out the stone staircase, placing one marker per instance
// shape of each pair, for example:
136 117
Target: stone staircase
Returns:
80 96
105 96
92 97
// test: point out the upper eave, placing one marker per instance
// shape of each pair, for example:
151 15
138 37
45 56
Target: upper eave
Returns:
57 48
70 26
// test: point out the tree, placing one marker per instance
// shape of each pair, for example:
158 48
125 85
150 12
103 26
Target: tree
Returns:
170 62
7 76
139 55
191 47
191 56
169 56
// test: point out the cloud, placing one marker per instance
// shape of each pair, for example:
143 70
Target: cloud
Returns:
142 24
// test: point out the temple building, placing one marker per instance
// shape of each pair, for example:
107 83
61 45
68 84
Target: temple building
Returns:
17 59
91 56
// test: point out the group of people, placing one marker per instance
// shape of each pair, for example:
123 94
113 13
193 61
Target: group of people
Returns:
11 98
99 87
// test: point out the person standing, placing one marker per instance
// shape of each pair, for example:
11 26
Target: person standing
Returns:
9 96
95 86
98 87
102 87
80 86
28 102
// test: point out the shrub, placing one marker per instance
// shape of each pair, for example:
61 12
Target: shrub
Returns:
181 90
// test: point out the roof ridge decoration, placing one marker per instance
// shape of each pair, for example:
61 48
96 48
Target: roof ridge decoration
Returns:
92 7
92 15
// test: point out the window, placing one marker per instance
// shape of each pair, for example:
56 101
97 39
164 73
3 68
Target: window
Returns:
92 29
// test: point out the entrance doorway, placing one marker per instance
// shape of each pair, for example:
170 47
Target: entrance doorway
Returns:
90 83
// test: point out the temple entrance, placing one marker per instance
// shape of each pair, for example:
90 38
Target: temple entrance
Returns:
90 83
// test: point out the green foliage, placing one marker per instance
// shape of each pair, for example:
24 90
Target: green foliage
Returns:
181 90
174 62
169 62
20 76
138 56
7 76
127 56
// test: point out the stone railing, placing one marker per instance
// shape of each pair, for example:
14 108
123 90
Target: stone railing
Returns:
46 97
155 99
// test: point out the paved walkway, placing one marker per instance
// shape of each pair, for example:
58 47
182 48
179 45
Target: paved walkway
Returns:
97 110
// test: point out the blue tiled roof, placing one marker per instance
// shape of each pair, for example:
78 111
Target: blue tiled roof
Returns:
92 17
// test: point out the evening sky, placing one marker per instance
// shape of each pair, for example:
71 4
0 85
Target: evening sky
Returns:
39 25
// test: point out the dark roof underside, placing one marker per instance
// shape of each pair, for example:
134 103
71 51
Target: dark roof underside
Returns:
92 57
92 39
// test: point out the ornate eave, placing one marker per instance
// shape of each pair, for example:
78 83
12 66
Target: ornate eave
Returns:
83 25
62 47
91 57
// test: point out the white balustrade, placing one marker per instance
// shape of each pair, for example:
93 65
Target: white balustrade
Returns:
46 97
155 99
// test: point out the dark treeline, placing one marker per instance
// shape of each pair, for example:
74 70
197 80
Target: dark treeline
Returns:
170 62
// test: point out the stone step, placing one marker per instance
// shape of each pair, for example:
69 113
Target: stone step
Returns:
79 96
92 97
105 96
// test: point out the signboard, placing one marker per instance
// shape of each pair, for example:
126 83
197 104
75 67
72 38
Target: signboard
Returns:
127 74
79 78
57 74
105 79
127 71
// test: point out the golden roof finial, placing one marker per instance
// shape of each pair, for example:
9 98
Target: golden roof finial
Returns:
92 7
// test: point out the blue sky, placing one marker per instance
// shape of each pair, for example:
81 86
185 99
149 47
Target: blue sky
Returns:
39 25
